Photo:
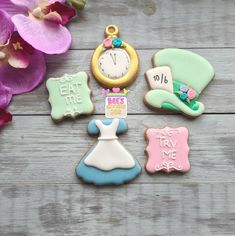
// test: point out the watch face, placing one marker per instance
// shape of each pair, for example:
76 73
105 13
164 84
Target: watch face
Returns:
114 63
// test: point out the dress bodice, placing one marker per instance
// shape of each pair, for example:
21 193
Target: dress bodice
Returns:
107 132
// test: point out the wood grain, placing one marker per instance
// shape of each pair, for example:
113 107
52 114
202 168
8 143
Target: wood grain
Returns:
221 89
158 23
143 209
39 192
35 150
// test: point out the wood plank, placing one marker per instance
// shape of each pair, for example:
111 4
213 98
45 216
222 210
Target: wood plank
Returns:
35 150
158 23
39 192
218 96
146 210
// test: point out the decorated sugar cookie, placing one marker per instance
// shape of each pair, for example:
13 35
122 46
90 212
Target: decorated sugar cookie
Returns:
69 96
107 162
115 103
167 150
176 81
114 63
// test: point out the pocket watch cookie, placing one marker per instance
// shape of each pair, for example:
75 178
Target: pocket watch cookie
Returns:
167 150
114 63
176 81
107 162
69 96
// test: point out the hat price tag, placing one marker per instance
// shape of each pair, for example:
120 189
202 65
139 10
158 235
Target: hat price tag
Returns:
160 78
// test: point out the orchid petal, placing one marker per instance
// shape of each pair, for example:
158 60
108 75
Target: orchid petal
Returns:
66 12
6 27
10 8
18 51
43 35
26 4
53 1
5 117
16 38
5 95
24 80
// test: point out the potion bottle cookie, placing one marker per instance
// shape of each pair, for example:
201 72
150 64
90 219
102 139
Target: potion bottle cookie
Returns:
114 63
176 81
107 162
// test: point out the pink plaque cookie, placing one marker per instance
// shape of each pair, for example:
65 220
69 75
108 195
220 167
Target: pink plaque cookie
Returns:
167 150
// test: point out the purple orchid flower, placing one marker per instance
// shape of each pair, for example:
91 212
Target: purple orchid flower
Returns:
40 23
5 98
5 95
5 117
22 67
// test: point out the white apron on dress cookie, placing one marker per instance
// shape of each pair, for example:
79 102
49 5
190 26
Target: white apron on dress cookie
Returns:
109 153
107 162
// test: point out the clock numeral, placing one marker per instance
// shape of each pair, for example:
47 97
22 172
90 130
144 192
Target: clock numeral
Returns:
114 58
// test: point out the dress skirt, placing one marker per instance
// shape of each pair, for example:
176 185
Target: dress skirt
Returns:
99 177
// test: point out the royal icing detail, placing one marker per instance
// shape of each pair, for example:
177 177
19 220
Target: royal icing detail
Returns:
188 74
112 42
109 154
186 93
167 150
160 78
115 102
107 162
114 63
69 96
116 106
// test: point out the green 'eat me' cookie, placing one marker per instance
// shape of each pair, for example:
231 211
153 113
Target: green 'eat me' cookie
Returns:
69 96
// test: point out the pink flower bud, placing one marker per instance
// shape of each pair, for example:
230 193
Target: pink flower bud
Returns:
191 94
107 43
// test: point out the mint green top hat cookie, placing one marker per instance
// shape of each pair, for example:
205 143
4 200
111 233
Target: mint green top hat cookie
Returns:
176 81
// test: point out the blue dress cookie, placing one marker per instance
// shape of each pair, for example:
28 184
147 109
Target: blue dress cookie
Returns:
107 162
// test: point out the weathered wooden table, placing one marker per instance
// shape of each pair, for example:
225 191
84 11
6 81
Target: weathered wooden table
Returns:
39 192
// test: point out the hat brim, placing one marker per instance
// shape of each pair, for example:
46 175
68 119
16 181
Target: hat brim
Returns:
157 98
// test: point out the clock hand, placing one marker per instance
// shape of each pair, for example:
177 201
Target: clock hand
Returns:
113 56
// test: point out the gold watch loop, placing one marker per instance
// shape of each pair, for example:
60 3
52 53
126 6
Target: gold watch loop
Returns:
111 30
